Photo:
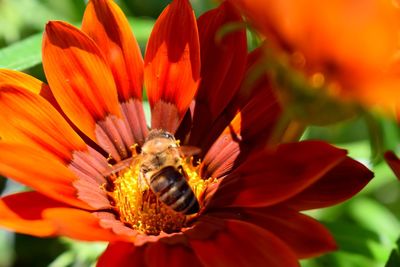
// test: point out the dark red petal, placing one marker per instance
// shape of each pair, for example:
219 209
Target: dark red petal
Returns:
105 22
339 184
172 65
244 133
269 177
394 162
223 62
164 255
304 235
243 244
239 127
22 212
122 254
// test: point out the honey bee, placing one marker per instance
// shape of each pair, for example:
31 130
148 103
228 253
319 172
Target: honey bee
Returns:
161 168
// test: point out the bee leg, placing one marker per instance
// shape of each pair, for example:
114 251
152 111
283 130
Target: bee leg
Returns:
157 205
133 149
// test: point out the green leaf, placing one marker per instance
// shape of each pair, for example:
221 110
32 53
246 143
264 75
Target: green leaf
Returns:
33 251
147 111
78 253
142 28
375 217
6 248
340 259
394 258
355 239
22 55
27 53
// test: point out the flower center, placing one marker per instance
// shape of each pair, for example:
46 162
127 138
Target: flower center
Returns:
145 210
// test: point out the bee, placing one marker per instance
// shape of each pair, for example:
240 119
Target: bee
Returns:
160 162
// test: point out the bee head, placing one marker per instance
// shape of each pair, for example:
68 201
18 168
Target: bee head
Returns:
159 133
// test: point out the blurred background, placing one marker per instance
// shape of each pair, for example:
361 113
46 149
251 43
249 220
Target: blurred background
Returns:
367 228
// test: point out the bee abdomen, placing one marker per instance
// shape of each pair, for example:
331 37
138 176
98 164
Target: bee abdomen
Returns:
172 189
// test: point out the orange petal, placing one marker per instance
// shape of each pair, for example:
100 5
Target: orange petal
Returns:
223 63
29 119
172 65
22 213
304 235
243 244
270 177
105 22
39 170
29 83
122 254
163 255
22 80
78 76
339 184
80 225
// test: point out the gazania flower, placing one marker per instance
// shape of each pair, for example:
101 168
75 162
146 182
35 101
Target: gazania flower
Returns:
351 45
99 174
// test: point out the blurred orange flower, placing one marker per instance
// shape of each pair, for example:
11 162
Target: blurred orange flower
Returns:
354 44
62 140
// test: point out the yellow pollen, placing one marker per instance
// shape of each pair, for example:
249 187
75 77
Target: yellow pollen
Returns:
139 208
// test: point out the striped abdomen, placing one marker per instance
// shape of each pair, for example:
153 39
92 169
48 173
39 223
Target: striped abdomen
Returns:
171 188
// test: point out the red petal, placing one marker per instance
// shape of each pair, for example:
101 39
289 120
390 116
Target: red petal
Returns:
22 213
223 62
163 255
80 225
105 22
394 162
39 170
244 133
339 184
243 244
172 65
122 254
35 122
304 235
270 177
240 122
78 76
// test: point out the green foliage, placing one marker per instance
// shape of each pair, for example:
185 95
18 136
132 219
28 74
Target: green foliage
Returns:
22 55
28 53
34 252
394 259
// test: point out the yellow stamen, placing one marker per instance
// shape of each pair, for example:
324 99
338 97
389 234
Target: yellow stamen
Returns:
138 206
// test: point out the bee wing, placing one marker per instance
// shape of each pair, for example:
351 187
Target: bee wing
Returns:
119 166
189 151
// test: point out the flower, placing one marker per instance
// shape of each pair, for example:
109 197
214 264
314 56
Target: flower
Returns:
77 143
351 45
